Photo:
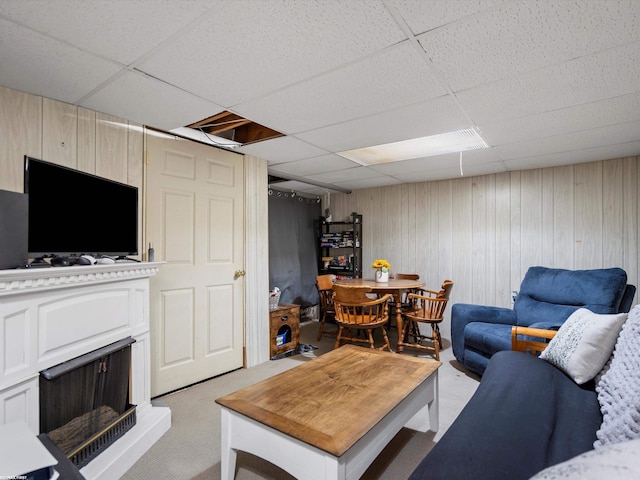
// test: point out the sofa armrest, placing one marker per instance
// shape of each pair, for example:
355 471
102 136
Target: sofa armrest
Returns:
464 313
528 345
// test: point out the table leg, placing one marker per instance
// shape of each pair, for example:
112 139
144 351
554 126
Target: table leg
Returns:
397 296
434 405
228 454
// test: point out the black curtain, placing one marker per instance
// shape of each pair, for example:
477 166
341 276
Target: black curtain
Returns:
293 262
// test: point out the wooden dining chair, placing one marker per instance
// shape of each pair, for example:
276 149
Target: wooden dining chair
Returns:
324 284
406 304
429 308
358 313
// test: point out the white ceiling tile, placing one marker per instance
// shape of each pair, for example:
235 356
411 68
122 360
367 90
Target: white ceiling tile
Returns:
429 175
315 165
242 46
623 109
522 36
118 30
615 134
575 156
425 15
369 183
452 172
587 79
394 78
132 93
341 74
281 150
339 176
438 162
438 115
37 64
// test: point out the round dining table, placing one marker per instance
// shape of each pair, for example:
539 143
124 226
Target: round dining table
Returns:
394 286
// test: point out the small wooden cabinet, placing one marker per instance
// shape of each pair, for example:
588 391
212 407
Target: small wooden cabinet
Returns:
284 328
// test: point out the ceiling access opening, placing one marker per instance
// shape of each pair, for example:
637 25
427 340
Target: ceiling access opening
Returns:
235 128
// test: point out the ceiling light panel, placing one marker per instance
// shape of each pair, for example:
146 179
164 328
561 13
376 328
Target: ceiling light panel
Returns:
458 141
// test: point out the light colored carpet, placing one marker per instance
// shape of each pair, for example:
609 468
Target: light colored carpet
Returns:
190 450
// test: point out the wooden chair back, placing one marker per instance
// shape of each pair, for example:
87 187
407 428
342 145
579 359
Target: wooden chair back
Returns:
406 276
445 290
354 308
430 305
529 345
324 283
405 303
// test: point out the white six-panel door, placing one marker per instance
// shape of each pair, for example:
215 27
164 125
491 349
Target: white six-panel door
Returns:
195 206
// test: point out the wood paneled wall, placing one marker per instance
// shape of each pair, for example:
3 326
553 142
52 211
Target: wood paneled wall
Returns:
485 232
71 136
114 148
66 135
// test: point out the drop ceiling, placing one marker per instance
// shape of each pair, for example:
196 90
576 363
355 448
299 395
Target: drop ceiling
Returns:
545 83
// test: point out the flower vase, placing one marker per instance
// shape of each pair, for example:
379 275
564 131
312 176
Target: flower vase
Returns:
382 277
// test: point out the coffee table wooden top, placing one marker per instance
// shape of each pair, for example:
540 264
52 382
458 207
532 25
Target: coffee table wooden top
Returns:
332 401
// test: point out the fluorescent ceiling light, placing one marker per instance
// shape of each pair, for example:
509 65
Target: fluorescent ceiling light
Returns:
451 142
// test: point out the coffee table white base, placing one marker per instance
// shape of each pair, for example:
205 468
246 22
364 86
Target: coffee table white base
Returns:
418 411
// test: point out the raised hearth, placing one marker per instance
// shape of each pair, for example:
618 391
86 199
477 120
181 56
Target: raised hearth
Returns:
49 316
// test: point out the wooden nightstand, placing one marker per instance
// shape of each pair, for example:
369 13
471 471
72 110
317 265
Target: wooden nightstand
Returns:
284 328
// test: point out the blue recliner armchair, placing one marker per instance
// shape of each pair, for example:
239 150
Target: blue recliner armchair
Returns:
547 297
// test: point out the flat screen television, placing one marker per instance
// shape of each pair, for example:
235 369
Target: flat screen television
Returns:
72 213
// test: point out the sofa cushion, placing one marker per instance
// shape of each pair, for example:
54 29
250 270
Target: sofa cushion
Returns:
523 405
584 343
554 294
613 462
618 386
487 338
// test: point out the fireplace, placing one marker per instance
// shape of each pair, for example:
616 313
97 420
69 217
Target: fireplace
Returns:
55 317
85 402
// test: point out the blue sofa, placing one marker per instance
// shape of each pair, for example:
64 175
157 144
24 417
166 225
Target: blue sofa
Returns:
525 415
547 297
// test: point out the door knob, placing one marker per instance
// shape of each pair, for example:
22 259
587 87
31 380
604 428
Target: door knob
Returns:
238 274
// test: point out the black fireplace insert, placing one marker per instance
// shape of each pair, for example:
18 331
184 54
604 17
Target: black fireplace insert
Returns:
85 402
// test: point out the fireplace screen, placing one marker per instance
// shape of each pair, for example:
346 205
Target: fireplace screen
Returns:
84 403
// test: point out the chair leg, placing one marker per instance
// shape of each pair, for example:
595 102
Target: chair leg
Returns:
370 336
386 340
439 336
321 329
436 344
338 337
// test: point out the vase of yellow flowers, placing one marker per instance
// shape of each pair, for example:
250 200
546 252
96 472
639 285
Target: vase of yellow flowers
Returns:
382 270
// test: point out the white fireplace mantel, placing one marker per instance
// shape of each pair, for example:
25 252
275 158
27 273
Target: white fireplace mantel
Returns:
51 315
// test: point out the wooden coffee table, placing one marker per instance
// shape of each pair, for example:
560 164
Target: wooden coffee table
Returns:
329 418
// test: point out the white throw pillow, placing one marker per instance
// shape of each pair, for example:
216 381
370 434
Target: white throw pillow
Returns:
618 387
613 462
584 343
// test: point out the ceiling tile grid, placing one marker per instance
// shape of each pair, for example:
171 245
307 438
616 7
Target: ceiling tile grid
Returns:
251 48
416 120
133 93
34 63
546 83
522 36
122 31
393 78
587 116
